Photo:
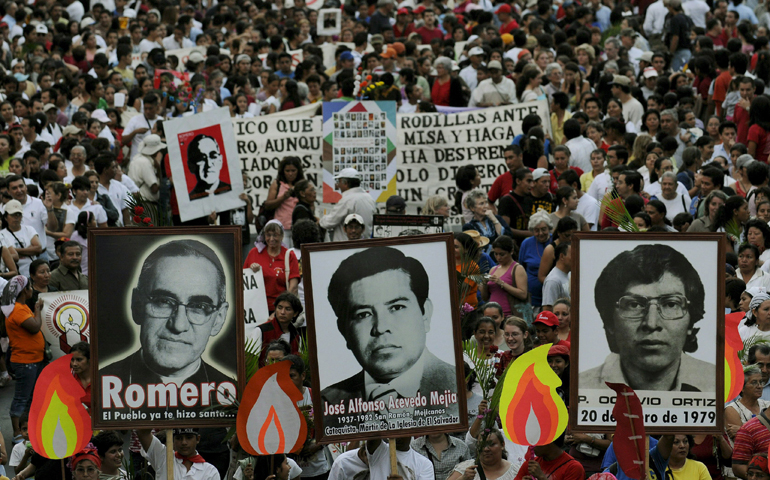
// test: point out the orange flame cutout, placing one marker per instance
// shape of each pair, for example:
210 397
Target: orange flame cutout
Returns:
269 421
733 366
531 410
59 424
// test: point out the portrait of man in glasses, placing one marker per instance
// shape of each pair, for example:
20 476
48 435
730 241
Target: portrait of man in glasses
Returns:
650 300
179 303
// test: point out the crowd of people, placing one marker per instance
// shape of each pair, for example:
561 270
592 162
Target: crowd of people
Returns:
658 106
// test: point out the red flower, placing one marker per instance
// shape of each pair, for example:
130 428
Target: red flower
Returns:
369 77
147 220
151 225
138 210
137 219
493 349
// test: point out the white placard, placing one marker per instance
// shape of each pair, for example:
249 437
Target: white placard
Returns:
255 311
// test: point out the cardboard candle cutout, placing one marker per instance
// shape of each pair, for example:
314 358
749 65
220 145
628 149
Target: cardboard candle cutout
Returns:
269 421
629 440
531 411
733 366
59 424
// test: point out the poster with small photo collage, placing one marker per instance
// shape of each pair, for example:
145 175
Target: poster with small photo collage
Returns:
358 138
360 143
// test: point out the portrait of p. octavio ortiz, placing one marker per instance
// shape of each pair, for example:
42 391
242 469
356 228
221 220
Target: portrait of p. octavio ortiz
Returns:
650 312
392 320
173 372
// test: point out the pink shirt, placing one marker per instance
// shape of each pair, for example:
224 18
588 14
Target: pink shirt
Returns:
285 209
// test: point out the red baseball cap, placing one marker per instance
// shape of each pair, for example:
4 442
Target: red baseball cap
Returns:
402 11
419 9
547 318
558 350
504 8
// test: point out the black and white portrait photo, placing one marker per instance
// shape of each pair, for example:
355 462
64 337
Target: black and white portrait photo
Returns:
166 330
385 226
329 21
386 337
648 317
205 168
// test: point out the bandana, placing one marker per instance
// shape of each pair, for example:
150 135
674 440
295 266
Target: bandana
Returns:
193 458
11 293
260 243
759 462
88 453
756 301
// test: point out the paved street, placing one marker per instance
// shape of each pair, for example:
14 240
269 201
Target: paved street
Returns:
6 395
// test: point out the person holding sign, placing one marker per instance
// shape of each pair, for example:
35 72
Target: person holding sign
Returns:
650 299
187 462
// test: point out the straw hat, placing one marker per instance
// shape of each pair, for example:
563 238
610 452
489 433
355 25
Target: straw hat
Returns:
482 241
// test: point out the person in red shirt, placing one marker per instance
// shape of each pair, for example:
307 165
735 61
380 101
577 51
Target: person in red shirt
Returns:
561 156
722 82
278 264
714 32
730 29
403 26
741 115
507 23
758 142
553 463
429 31
504 183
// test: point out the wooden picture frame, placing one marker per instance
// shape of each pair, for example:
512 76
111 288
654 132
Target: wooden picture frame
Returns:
651 265
121 373
381 263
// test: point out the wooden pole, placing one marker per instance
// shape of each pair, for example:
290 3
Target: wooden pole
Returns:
169 454
63 473
647 457
393 458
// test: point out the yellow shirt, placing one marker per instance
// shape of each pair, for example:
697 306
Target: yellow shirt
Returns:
692 470
558 129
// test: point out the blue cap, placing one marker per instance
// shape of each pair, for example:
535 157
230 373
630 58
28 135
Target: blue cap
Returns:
346 56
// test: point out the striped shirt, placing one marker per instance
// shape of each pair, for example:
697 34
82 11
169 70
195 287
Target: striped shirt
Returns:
752 438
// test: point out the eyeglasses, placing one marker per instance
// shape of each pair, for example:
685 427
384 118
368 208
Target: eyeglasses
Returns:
635 307
755 383
161 306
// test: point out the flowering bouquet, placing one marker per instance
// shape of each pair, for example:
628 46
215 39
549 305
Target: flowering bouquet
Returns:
483 368
144 213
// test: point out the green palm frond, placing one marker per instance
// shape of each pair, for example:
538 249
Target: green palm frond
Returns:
304 354
615 210
755 339
485 371
734 228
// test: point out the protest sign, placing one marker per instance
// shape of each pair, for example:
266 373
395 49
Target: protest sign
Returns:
65 320
431 147
385 226
148 370
255 309
183 54
360 135
204 163
329 21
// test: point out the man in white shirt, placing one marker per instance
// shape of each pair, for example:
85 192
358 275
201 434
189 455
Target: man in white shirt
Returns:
354 200
675 202
144 168
141 125
155 33
187 462
469 73
411 464
29 129
106 167
696 10
413 96
633 111
76 11
579 146
37 215
494 91
587 205
655 18
177 40
628 39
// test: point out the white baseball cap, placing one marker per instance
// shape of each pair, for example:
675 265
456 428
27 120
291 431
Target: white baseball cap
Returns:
347 173
100 115
476 51
354 216
539 173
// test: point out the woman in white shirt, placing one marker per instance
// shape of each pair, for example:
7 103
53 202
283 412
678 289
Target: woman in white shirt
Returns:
23 238
748 267
758 326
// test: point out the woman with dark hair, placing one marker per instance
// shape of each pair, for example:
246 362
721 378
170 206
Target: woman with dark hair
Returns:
748 267
40 276
529 86
713 201
746 34
467 178
576 86
657 212
651 122
81 369
467 254
280 196
679 463
562 234
704 74
566 206
493 459
642 221
759 121
757 233
84 221
485 333
291 98
533 149
109 445
732 216
507 284
275 467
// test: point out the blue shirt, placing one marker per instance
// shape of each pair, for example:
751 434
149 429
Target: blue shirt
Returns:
744 12
530 253
284 75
